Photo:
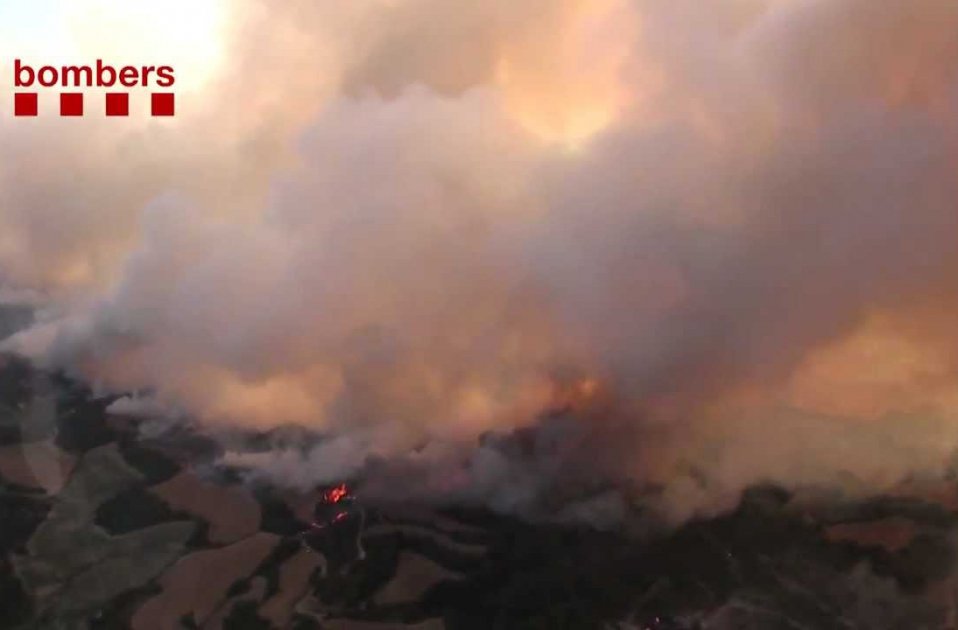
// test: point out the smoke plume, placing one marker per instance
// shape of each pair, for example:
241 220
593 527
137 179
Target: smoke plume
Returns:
513 250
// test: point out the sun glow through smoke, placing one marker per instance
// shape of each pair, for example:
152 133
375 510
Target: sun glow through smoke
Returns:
186 34
566 89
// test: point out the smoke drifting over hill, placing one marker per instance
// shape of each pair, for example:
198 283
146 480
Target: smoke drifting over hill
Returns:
689 245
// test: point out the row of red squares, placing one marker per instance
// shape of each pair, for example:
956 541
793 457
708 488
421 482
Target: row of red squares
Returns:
116 104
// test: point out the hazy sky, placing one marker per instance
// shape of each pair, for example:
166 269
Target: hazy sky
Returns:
185 33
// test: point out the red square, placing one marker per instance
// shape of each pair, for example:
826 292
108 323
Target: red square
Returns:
25 104
117 104
163 104
71 104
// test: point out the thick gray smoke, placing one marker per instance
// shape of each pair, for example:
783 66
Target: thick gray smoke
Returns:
520 250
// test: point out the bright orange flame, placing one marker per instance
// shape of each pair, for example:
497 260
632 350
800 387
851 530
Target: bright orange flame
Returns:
337 494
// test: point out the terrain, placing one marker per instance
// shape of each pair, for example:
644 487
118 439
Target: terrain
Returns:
103 525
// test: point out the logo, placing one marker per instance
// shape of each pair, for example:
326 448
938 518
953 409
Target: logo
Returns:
115 100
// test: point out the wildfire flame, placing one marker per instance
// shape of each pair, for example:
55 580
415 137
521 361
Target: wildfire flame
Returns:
337 494
333 496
